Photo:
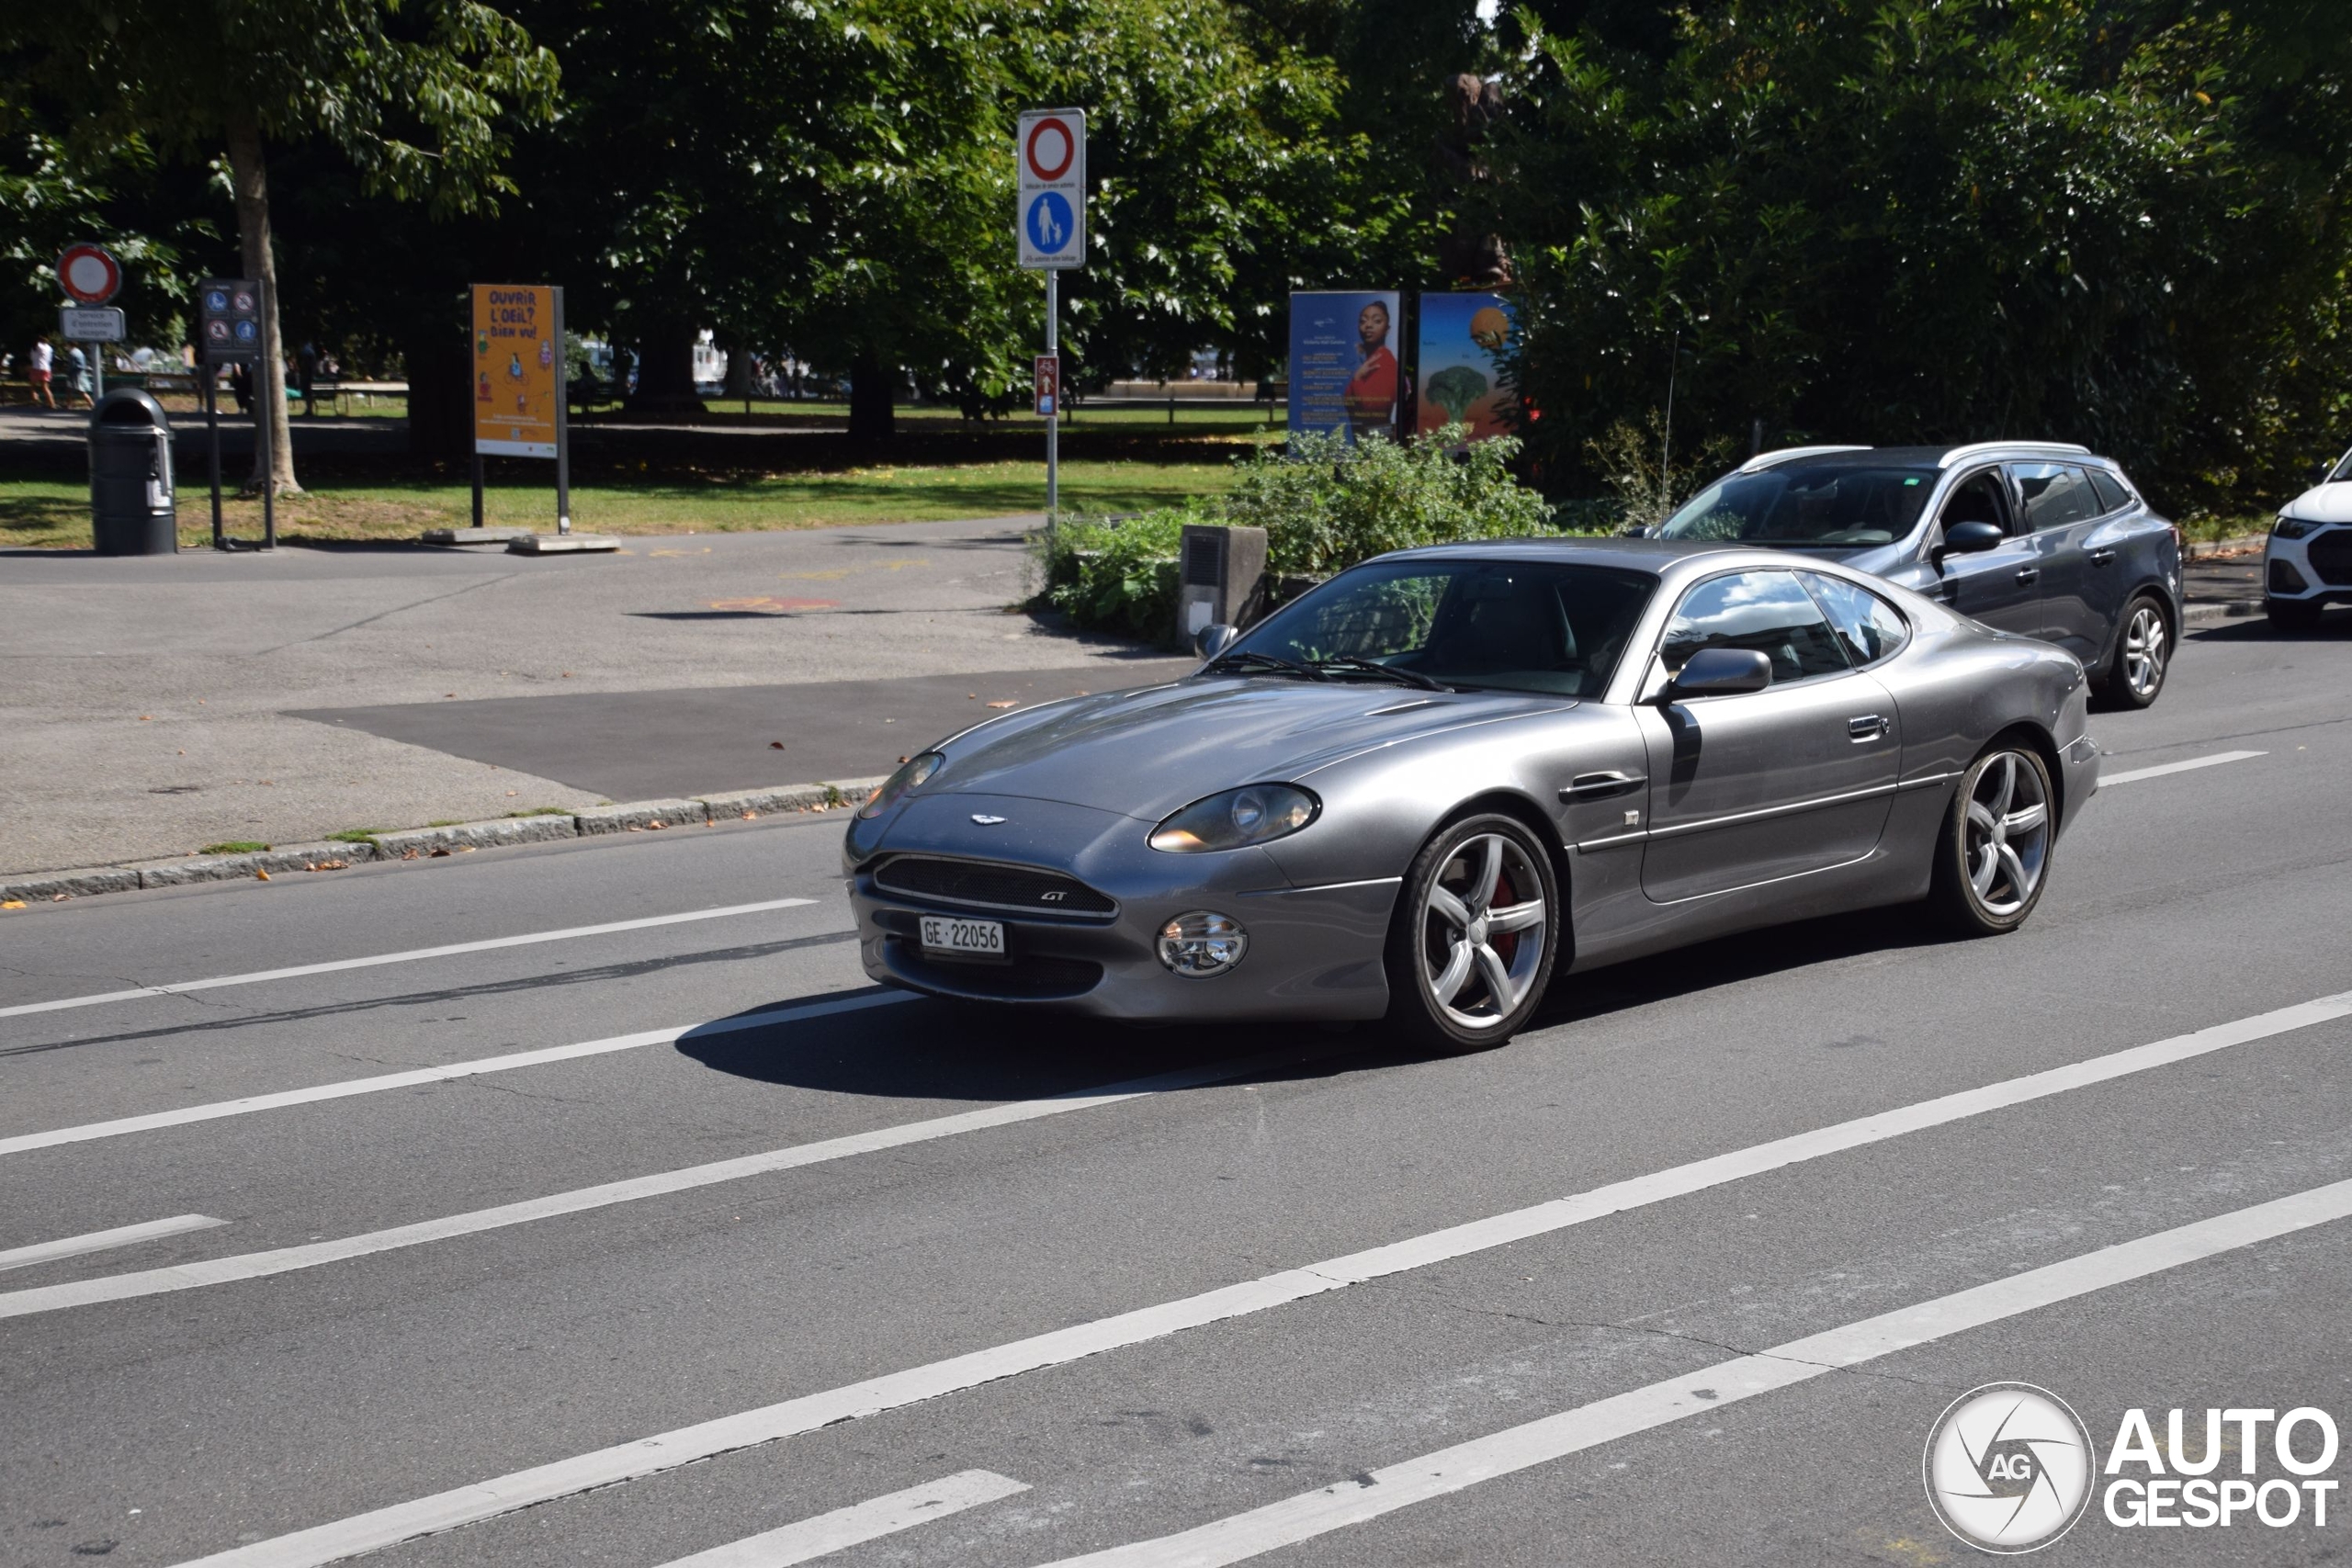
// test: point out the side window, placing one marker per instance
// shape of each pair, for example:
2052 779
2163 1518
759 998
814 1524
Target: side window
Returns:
2113 497
2055 494
1871 628
1980 497
1767 611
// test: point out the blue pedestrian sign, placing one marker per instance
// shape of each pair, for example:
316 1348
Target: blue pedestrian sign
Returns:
1049 224
1049 158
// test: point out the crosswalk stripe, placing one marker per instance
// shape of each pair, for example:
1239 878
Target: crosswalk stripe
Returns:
862 1522
449 950
2136 774
288 1259
1241 1536
639 1457
100 1241
415 1076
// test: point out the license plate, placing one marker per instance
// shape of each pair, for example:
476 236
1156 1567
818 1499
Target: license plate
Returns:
949 937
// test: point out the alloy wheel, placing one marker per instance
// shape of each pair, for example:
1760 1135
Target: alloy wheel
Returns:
2008 832
1482 931
2145 647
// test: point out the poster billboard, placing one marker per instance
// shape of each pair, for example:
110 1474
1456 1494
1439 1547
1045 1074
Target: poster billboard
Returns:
1459 376
1343 369
515 369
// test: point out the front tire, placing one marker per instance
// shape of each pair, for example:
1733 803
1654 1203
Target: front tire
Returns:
1992 856
1475 933
2290 615
2142 655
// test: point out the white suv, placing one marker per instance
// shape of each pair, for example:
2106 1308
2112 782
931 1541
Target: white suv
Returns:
2308 562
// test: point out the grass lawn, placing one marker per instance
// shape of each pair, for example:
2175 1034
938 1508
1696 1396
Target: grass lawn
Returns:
52 514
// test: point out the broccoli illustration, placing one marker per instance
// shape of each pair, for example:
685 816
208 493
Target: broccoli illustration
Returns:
1454 389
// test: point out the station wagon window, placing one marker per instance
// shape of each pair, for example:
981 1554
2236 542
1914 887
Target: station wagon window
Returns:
1871 628
1840 502
1979 498
1768 612
2055 494
2113 497
1516 626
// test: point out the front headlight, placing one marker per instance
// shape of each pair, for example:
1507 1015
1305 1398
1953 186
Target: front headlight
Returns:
2292 527
1254 814
911 772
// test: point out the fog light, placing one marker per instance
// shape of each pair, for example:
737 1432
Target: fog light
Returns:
2285 579
1202 942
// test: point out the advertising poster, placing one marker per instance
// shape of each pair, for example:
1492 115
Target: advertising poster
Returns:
1343 369
515 369
1462 337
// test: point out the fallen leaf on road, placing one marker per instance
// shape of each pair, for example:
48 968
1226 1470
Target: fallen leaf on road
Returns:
567 674
330 865
437 853
1008 702
776 745
144 718
261 876
12 904
59 898
448 693
750 816
513 793
656 824
903 761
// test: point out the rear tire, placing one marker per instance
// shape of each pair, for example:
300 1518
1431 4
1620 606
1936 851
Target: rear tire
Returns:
1992 856
2135 675
1475 933
2290 615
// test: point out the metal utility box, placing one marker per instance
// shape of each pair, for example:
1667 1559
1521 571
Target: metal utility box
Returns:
132 508
1220 579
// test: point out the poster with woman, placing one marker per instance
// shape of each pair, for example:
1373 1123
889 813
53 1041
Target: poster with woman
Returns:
1343 372
1460 368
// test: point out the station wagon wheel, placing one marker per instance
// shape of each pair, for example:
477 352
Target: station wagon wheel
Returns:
2143 654
1476 930
1993 857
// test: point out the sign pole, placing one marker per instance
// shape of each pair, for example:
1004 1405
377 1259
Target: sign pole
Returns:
477 487
97 373
1053 421
563 424
207 368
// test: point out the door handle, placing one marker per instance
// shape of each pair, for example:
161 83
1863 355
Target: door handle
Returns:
1600 786
2028 573
1868 727
2103 557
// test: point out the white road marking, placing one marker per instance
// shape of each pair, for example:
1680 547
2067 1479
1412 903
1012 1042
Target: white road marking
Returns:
865 1521
1243 1536
2218 758
98 1241
687 1445
181 988
286 1259
474 1068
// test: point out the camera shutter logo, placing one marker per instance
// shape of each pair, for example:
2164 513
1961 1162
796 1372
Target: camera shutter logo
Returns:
2009 1467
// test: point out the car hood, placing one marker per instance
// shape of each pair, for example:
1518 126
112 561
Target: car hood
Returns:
1145 753
2323 503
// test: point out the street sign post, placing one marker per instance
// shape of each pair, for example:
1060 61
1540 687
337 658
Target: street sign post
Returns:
90 323
518 388
1049 153
228 331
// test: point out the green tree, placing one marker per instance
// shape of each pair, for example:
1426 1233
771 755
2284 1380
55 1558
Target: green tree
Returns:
417 95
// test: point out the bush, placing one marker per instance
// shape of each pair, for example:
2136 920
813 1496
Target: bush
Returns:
1119 576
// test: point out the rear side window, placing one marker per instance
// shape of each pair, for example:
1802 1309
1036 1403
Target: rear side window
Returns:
1871 628
2055 494
1767 611
2113 497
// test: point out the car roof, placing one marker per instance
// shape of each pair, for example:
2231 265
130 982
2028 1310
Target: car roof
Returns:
1918 456
1662 558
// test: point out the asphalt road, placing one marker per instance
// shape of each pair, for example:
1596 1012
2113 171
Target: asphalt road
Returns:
454 1319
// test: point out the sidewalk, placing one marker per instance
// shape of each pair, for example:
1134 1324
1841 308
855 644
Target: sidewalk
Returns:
157 706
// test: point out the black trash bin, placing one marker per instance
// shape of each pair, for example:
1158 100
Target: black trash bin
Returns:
132 510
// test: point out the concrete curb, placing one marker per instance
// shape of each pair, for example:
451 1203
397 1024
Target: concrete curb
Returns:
433 843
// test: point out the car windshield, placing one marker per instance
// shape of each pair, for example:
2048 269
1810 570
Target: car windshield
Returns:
2343 471
1515 625
1808 503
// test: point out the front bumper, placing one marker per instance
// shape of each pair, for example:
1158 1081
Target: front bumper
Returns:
1314 953
2313 570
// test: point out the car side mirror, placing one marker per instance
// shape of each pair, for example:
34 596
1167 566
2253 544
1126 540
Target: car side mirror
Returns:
1719 672
1972 538
1210 641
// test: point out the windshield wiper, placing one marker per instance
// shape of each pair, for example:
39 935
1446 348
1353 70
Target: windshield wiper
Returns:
1373 667
1251 659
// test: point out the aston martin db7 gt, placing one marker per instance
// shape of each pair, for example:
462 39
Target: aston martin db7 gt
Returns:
1432 782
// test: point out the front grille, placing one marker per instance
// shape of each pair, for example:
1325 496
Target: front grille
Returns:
2331 557
991 886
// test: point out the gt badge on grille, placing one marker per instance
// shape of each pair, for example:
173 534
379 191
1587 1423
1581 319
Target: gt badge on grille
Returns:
985 820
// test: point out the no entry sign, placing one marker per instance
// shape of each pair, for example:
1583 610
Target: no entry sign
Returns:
90 276
1051 209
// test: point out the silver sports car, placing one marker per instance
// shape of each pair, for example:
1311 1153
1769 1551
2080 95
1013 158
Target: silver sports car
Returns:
1427 786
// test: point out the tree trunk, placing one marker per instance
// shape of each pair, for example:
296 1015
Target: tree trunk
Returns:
665 370
738 386
873 389
249 176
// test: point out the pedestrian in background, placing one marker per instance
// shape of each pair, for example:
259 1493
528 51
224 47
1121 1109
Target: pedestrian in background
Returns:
79 364
38 369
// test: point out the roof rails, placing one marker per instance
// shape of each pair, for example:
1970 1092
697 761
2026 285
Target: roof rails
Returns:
1763 460
1979 448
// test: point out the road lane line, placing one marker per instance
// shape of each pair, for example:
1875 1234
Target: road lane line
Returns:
2218 758
865 1521
481 1500
288 1259
1241 1536
529 939
474 1068
100 1241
